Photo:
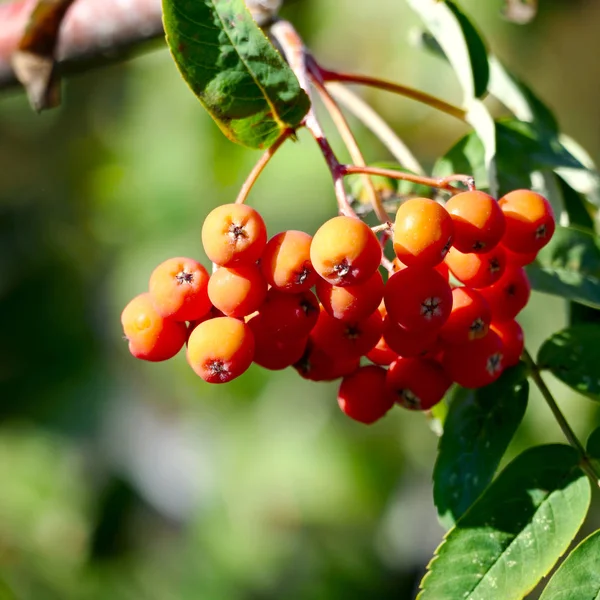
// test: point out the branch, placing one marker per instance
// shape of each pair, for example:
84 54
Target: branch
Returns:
94 32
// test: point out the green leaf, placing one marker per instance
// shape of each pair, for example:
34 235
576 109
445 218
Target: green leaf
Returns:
579 576
515 532
593 444
460 42
573 356
575 205
520 151
569 266
477 431
233 68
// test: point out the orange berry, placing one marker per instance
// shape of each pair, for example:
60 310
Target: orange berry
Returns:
351 302
423 232
272 352
529 221
220 349
347 339
477 270
179 289
285 262
363 395
151 336
519 259
470 317
509 295
406 342
513 340
237 291
285 314
381 353
418 299
344 251
234 234
478 221
475 363
417 383
211 314
317 365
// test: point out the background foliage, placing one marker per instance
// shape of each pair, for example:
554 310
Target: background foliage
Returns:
129 480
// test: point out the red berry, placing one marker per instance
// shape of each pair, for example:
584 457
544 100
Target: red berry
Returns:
407 342
477 270
363 395
509 295
317 365
513 340
285 314
470 317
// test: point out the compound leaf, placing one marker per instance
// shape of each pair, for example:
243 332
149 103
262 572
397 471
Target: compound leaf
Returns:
515 532
569 266
235 71
573 355
479 426
579 575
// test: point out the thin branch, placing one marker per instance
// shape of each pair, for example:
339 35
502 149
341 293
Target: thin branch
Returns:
396 88
445 183
586 463
94 32
373 121
260 165
347 136
295 53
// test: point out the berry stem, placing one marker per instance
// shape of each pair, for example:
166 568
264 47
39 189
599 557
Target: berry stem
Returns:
586 463
444 183
261 164
395 88
295 53
378 126
343 127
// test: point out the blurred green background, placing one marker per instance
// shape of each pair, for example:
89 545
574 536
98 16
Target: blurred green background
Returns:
127 480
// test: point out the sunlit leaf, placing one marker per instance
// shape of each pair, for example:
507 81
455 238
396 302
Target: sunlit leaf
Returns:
477 431
569 266
573 355
233 68
460 42
579 575
515 532
576 206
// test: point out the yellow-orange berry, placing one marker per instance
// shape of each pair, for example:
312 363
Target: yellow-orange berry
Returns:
237 291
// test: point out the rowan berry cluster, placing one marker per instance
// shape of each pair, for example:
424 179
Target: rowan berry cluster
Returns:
319 304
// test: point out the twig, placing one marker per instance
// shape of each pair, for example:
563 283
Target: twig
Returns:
445 183
396 88
586 463
373 121
260 165
347 136
293 48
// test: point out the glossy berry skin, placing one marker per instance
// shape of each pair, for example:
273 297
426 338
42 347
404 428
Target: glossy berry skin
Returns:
418 299
475 364
363 395
423 232
477 270
381 353
529 221
441 268
317 365
470 317
347 339
417 383
179 289
285 262
285 315
151 337
344 251
509 295
478 221
407 342
237 291
220 349
272 352
233 235
519 259
513 340
351 302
